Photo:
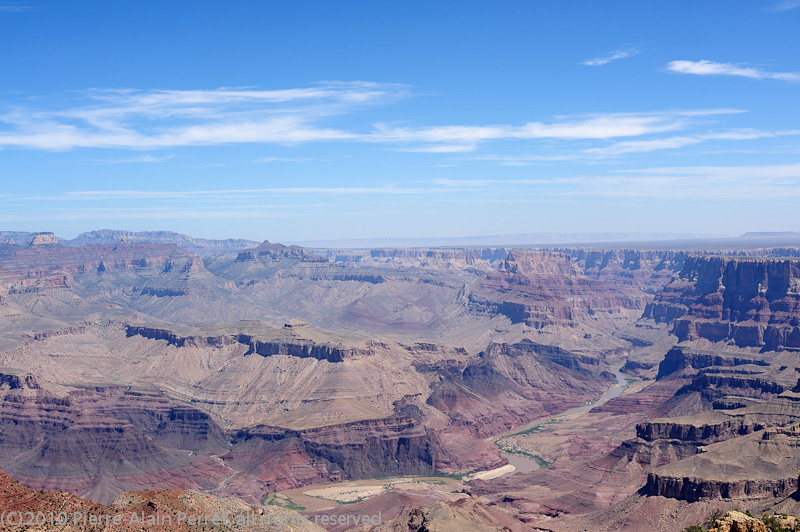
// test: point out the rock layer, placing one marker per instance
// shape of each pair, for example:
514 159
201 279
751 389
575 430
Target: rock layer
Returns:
750 302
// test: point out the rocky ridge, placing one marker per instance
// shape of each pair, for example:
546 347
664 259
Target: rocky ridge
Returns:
748 302
541 288
163 510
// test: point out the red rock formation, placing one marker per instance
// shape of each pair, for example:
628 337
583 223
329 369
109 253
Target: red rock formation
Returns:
36 260
261 345
198 246
104 436
174 510
541 288
267 251
44 239
510 384
648 270
274 458
753 302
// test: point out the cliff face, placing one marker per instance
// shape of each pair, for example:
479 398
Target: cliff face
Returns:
751 302
648 270
695 489
697 432
273 456
41 281
44 239
36 260
542 288
762 465
198 246
428 259
680 359
748 452
714 379
280 345
94 438
509 384
267 251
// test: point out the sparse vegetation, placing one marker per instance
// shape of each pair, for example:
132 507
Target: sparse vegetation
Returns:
447 475
774 523
541 427
284 501
780 523
712 517
509 445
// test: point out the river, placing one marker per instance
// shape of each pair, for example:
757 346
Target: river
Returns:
526 465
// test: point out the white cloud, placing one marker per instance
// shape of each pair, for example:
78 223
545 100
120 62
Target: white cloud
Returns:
524 160
749 134
603 126
713 182
152 119
612 56
104 195
284 160
280 130
690 183
19 8
159 119
642 146
443 148
462 183
639 146
711 68
785 5
756 172
141 159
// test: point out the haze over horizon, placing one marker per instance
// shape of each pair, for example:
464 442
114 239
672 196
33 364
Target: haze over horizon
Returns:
308 121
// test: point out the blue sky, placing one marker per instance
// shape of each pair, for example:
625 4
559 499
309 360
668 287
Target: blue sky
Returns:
300 120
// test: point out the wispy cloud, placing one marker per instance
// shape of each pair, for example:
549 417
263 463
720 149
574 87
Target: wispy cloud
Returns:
627 147
712 68
161 119
462 183
442 148
611 56
527 159
766 171
284 160
591 127
708 182
734 182
141 159
693 183
716 182
644 146
785 5
104 195
152 119
9 8
454 139
149 213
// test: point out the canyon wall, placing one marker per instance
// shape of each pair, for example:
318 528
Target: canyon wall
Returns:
750 302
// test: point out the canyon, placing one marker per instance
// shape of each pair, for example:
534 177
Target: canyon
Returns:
133 361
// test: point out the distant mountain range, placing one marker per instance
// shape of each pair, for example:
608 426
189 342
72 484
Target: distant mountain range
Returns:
515 239
206 247
198 246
